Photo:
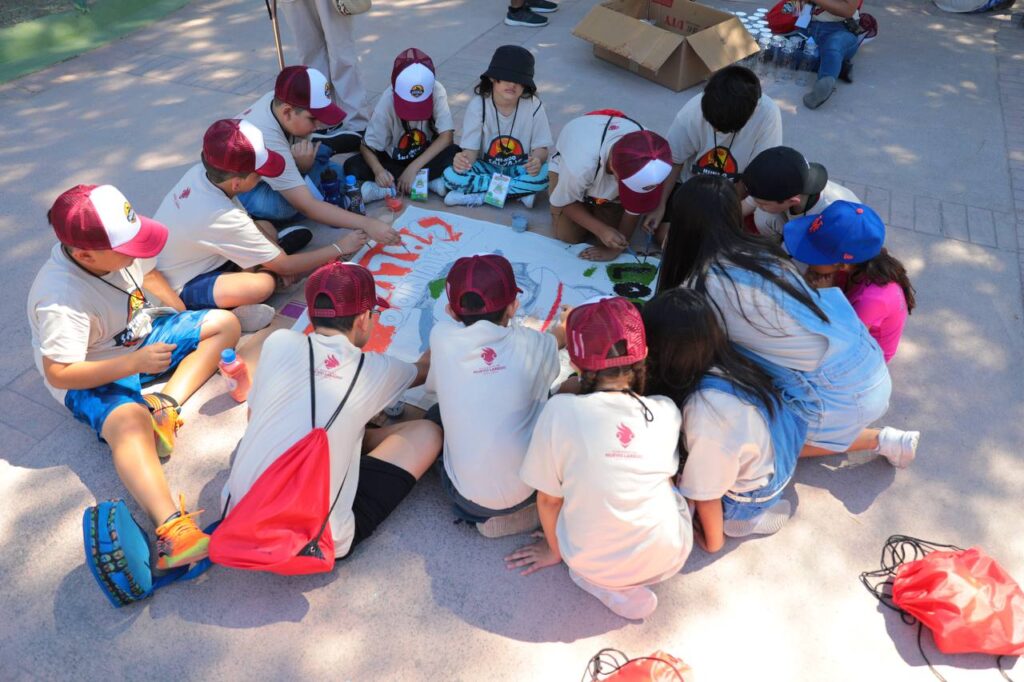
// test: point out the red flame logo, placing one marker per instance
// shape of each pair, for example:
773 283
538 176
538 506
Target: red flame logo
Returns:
488 355
625 435
331 362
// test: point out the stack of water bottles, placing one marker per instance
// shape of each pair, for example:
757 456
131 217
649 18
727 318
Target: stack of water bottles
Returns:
783 59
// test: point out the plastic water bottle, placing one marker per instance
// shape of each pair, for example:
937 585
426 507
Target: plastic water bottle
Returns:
764 57
236 373
784 62
354 196
811 60
330 187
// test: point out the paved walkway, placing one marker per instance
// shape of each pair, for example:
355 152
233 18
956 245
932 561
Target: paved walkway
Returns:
931 135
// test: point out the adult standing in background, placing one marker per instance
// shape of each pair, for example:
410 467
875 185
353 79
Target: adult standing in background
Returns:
324 39
528 12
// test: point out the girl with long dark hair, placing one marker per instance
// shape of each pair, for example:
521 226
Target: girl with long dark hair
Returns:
740 442
818 353
602 462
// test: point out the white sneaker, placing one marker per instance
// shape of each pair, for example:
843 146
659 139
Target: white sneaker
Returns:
899 447
527 200
371 192
634 603
768 522
459 198
438 187
254 317
522 521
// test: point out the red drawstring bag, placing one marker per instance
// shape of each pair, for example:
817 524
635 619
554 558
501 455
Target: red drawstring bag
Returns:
281 525
966 599
611 665
970 604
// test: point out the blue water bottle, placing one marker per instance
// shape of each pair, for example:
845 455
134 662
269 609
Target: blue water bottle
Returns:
330 187
354 196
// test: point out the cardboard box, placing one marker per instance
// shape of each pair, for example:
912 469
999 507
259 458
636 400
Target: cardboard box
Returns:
685 44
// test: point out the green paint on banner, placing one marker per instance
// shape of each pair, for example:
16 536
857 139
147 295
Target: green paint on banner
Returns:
589 272
436 287
34 45
632 280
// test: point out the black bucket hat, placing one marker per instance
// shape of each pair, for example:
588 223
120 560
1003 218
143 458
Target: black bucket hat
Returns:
511 63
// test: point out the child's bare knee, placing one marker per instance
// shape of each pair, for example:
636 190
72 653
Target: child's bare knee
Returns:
222 323
265 285
124 420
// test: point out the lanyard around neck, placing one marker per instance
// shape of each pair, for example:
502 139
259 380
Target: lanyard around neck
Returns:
109 284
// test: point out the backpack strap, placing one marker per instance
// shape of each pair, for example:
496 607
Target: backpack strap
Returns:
312 386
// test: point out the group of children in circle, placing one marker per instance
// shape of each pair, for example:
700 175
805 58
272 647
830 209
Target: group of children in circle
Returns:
776 313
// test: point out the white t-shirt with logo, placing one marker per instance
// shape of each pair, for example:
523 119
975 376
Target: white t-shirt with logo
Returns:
581 159
279 413
404 143
505 140
76 316
621 523
699 148
491 384
771 224
729 446
275 139
206 229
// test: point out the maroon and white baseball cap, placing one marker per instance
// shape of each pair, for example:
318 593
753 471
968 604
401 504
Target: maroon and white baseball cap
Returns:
349 286
99 217
236 146
641 161
488 276
593 328
412 80
304 86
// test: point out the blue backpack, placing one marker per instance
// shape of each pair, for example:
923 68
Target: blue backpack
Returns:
117 553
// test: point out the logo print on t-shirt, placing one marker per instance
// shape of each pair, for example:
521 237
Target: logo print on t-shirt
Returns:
506 151
410 145
129 336
624 434
331 362
488 355
718 161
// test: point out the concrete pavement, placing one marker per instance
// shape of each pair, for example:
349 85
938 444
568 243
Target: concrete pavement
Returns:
931 135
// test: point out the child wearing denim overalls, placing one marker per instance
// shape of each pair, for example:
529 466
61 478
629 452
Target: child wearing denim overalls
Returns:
823 361
740 442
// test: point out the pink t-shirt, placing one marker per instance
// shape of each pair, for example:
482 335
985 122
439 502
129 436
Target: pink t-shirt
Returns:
883 310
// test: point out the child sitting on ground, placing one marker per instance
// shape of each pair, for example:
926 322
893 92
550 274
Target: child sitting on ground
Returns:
492 379
299 104
606 173
411 129
375 468
783 186
212 239
505 130
844 249
602 463
740 442
97 340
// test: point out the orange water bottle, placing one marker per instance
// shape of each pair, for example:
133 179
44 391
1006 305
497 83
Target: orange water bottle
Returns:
236 373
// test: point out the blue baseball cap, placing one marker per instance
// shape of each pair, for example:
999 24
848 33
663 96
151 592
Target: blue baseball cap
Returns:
844 232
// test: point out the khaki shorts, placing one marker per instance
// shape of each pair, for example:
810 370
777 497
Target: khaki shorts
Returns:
567 230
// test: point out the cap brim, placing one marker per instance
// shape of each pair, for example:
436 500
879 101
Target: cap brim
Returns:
414 111
817 178
273 167
330 115
795 236
510 76
639 203
148 242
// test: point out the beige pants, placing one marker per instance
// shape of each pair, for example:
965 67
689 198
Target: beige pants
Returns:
567 230
324 40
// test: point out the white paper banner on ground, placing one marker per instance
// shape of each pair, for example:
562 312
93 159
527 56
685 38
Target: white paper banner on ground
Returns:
549 272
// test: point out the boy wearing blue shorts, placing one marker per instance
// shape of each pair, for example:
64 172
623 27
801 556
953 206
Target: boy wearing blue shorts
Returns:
216 256
97 340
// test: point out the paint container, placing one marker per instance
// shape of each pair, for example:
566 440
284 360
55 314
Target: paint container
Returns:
519 222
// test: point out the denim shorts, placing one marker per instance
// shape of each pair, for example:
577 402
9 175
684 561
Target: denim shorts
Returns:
851 400
92 406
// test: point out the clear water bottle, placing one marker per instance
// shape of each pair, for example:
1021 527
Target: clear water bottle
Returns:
354 196
784 62
764 57
812 56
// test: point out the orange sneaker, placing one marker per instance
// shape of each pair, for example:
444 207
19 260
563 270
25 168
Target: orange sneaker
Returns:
179 541
163 409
